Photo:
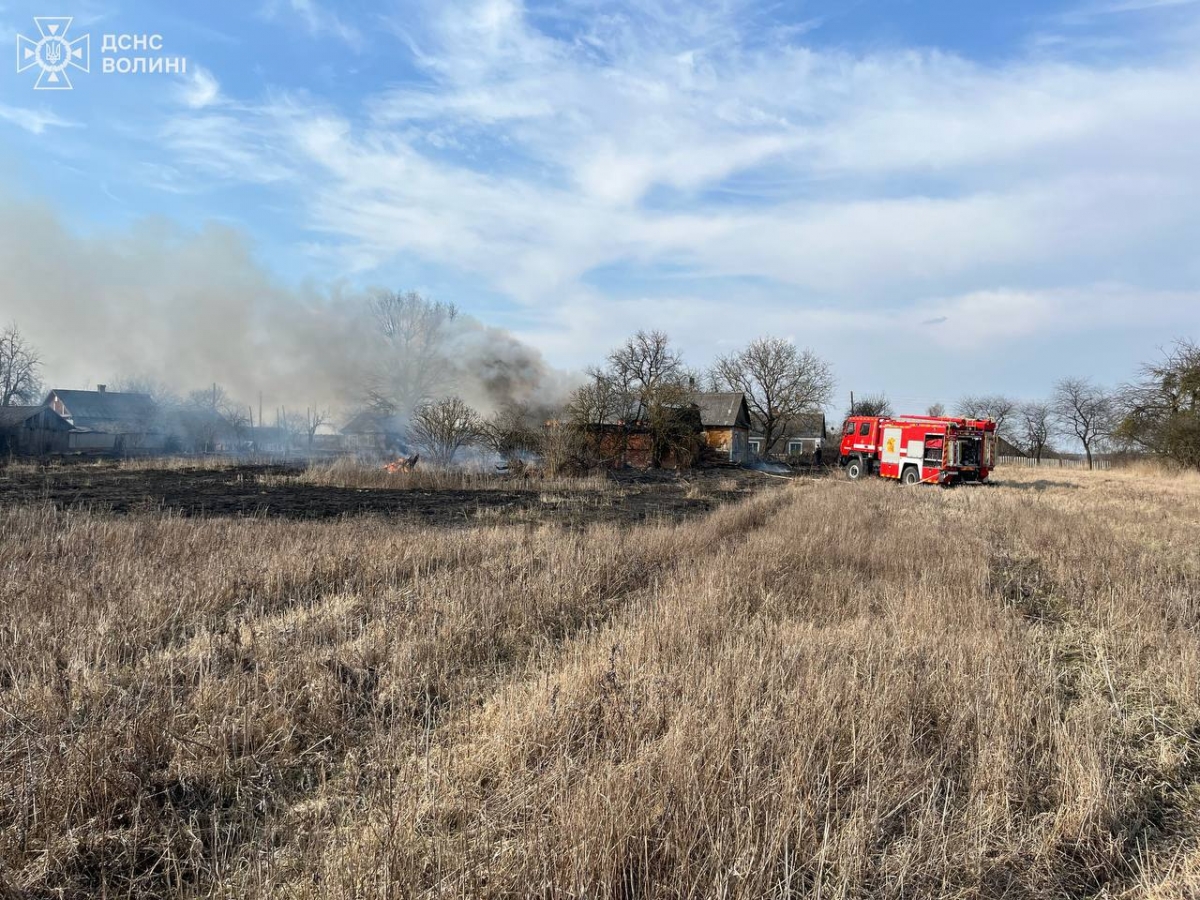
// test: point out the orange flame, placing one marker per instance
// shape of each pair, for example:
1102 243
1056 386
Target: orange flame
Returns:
401 464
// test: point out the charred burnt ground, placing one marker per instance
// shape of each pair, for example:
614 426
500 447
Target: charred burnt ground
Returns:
271 491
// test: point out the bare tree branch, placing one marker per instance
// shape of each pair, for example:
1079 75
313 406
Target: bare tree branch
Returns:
781 382
20 367
872 405
412 369
996 407
444 427
1084 411
1035 420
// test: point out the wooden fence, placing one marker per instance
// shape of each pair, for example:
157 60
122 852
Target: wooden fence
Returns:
1028 462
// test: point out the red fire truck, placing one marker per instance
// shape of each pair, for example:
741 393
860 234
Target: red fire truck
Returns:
918 449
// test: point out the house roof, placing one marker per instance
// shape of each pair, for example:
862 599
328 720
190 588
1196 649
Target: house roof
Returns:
722 410
17 415
806 426
1006 448
98 409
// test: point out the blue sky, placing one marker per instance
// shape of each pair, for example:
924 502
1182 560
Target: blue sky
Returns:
940 197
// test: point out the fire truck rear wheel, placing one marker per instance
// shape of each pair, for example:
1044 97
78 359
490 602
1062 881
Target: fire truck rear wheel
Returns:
912 475
854 469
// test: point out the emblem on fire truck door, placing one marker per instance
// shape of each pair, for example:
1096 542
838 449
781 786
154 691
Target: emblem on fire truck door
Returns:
891 445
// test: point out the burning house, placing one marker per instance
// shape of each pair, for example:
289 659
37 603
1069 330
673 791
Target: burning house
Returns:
109 422
33 431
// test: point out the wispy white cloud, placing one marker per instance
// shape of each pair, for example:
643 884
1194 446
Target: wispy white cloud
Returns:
225 145
35 121
199 88
316 19
856 183
1127 6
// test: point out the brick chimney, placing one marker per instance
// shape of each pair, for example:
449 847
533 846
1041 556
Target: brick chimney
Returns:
100 388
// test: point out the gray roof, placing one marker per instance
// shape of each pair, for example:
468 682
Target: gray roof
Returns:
11 416
722 410
101 410
805 426
17 415
1007 448
809 425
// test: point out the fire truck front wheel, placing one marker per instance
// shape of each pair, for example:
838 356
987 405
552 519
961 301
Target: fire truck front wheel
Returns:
854 469
912 475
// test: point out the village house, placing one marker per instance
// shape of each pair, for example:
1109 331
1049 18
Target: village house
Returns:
799 439
32 431
1007 448
633 443
110 422
201 431
376 432
725 418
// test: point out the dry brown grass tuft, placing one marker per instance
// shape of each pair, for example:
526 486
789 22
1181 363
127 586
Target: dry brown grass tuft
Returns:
829 689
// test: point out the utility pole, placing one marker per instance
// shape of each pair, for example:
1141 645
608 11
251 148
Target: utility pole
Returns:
852 403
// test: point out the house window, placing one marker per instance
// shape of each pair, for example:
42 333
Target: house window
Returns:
795 448
756 445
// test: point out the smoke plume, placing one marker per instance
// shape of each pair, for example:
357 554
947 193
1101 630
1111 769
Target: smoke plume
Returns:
190 308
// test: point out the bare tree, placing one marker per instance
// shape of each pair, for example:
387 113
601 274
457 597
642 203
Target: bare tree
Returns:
1035 421
315 418
780 381
645 385
937 410
209 415
1160 413
596 402
872 405
163 395
642 367
293 428
511 432
443 427
996 407
20 367
413 367
594 405
1085 411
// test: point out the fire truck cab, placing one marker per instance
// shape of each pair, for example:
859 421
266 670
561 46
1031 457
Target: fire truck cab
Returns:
918 449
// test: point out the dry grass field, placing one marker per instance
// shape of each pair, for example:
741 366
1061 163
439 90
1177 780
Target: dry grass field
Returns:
823 689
